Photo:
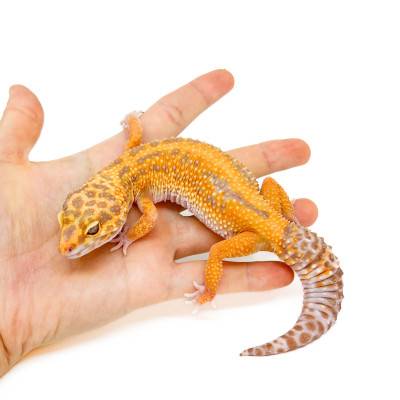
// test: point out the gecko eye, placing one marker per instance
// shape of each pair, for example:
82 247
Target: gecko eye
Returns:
93 228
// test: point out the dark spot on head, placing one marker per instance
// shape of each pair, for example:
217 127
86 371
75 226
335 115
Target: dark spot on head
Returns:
106 195
123 171
90 193
68 232
77 202
73 213
104 217
115 209
102 204
71 194
88 212
99 186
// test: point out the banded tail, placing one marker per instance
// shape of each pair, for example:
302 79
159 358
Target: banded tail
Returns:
321 277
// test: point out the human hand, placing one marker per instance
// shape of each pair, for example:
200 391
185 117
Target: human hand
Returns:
43 295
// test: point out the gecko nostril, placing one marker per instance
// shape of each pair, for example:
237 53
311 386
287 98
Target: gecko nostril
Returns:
68 248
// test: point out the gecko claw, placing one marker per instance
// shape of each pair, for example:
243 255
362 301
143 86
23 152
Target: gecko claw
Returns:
191 298
122 241
194 295
197 296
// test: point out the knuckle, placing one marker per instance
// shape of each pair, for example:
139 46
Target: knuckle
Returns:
266 155
173 114
25 112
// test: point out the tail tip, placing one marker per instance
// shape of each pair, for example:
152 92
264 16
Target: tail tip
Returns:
254 351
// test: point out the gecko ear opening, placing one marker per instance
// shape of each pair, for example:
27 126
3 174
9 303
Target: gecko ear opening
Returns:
60 216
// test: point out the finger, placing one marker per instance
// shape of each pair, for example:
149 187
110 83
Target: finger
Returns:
171 114
192 237
175 111
20 125
306 211
275 155
238 276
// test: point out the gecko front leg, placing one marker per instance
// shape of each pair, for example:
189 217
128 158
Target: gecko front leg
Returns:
142 227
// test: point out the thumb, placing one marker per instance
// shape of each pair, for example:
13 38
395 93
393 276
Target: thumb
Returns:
20 125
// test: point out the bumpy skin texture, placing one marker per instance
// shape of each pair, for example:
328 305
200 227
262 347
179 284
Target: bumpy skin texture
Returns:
224 195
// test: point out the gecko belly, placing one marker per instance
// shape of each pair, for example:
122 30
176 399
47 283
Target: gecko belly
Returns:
183 201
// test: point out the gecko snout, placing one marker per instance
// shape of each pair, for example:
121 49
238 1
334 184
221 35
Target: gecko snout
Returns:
66 248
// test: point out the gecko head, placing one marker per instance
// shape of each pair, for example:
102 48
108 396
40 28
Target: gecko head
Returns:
90 217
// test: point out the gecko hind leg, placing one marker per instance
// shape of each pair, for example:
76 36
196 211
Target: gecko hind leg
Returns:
243 244
133 129
273 192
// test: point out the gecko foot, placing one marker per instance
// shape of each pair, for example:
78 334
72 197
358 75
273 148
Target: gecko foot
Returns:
125 121
122 241
199 296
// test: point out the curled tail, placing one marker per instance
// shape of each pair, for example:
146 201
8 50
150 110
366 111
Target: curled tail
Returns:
321 277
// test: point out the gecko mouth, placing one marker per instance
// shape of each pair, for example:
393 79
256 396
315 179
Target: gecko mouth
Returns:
80 251
83 249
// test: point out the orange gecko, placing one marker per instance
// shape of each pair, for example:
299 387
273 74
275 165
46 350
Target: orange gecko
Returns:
223 194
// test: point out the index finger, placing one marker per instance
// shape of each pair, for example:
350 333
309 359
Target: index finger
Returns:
174 112
169 115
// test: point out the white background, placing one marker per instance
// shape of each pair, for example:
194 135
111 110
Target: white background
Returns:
327 72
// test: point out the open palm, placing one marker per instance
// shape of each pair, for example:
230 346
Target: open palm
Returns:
44 296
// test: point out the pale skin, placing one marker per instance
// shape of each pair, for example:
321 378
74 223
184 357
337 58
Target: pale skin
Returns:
44 296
